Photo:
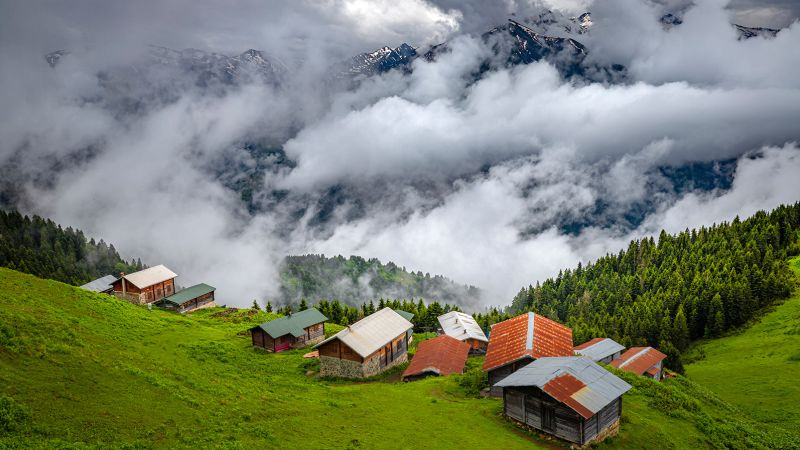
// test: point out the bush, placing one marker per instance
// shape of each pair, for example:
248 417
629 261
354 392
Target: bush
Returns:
13 416
473 381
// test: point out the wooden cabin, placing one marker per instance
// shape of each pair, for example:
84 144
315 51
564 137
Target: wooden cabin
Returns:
464 328
600 350
293 331
145 286
571 398
104 285
518 341
645 361
366 348
189 299
440 356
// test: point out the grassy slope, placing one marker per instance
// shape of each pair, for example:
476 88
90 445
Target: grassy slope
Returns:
95 370
757 368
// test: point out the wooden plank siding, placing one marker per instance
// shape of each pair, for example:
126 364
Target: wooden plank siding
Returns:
147 294
263 340
495 375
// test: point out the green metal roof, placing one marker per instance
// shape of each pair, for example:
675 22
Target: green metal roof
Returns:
189 293
405 314
293 324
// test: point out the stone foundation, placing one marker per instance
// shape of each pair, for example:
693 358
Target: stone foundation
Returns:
611 430
335 367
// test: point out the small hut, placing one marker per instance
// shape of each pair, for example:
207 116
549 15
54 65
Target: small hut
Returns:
145 286
293 331
645 361
464 328
600 350
518 341
440 356
366 348
189 299
572 398
102 285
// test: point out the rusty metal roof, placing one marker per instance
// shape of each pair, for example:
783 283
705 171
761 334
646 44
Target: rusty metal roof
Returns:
527 335
461 326
638 359
371 333
599 348
576 381
442 355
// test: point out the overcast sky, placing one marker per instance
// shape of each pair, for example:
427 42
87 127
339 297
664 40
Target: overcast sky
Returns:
468 180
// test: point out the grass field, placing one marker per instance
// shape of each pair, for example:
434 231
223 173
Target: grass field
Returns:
757 368
81 369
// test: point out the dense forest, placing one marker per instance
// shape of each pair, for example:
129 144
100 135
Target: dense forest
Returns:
41 247
670 291
355 280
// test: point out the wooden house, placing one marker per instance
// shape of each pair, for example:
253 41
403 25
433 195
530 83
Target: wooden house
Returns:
518 341
293 331
368 347
572 398
145 286
601 350
189 299
102 285
645 361
440 356
464 328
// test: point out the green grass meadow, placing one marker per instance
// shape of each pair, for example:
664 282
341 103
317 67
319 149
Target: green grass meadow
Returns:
84 370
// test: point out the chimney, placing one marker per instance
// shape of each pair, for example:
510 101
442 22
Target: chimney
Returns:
122 277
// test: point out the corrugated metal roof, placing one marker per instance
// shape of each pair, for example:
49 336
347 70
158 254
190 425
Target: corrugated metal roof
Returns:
576 381
150 276
294 324
442 355
190 293
530 335
638 359
461 326
100 284
371 333
599 348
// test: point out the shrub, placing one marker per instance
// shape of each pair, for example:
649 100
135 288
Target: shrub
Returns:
13 416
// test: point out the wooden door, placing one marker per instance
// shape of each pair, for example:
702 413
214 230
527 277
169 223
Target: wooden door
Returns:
548 418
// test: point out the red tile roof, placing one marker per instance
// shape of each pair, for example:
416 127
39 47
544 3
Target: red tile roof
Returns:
638 359
528 334
588 344
443 355
562 388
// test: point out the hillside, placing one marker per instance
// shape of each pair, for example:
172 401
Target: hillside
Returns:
78 367
356 280
756 368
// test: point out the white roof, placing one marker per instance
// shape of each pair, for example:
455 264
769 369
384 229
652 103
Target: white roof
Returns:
151 276
461 326
601 349
100 284
371 333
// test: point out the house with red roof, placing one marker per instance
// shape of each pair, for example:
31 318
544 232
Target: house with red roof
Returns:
518 341
440 356
645 361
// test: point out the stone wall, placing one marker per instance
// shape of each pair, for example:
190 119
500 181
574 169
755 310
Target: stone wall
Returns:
610 430
335 367
372 366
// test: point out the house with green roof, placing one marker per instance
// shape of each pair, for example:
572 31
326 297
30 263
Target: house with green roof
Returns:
293 331
189 299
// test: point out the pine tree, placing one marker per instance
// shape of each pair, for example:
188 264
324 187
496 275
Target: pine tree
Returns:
255 305
680 330
303 304
269 307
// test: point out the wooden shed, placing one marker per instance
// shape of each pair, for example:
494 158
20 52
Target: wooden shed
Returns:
601 350
189 299
145 286
518 341
102 285
645 361
572 398
464 328
442 355
293 331
368 347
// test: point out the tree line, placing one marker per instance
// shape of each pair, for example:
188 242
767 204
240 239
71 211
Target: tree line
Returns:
667 292
40 247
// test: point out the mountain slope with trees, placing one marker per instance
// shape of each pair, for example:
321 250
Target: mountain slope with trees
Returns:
43 248
671 291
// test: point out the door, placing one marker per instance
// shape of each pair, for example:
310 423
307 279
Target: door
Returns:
548 418
282 343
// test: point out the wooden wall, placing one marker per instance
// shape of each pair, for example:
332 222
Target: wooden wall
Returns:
338 349
495 375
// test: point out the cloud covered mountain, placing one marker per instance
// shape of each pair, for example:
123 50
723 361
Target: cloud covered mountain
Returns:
488 150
